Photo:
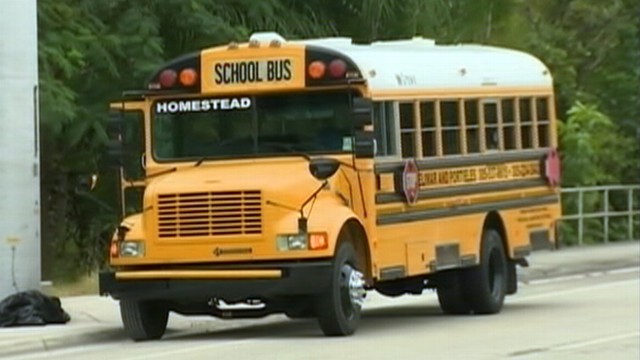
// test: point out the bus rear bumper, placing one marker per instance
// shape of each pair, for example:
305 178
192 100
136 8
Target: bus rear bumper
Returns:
230 285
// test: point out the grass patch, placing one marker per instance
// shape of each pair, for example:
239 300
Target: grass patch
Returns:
83 285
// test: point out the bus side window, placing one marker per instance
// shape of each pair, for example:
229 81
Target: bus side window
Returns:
385 128
491 125
407 130
428 118
450 127
508 124
472 117
133 140
544 120
526 123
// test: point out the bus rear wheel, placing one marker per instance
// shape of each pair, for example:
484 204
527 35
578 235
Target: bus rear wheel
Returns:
339 308
450 293
480 289
486 284
144 320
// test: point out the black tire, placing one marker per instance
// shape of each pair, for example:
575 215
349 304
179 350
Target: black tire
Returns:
300 314
512 282
300 308
337 315
451 294
144 320
486 284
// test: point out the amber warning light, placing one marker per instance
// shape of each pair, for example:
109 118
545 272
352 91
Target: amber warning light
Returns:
188 77
336 69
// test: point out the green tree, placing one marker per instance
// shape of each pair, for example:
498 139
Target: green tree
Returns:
594 149
92 50
592 48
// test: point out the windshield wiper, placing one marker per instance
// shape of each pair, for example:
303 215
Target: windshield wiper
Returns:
201 160
289 151
288 148
161 172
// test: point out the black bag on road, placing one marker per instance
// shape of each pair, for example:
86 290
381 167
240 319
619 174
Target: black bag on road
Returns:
31 308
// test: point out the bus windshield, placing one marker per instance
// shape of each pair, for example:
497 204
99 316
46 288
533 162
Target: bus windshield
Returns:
243 126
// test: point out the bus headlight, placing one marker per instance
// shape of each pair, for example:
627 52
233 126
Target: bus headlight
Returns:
132 249
310 241
292 242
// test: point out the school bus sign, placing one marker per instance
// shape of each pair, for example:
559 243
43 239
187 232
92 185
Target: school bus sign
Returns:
258 68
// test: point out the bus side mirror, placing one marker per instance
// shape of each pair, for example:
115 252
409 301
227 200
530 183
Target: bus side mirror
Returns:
365 144
323 168
115 153
115 124
362 110
86 183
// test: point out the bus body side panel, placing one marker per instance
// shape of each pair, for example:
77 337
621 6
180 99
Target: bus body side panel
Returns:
422 247
412 248
531 228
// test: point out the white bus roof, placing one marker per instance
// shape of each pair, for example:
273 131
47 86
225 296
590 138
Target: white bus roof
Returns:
420 65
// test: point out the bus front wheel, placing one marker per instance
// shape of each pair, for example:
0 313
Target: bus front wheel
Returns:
339 308
144 320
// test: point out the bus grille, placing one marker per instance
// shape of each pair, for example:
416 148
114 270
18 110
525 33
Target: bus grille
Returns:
209 214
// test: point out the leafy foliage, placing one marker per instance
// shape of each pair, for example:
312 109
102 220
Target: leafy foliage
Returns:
91 50
594 150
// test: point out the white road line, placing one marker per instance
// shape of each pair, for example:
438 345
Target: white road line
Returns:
624 270
152 353
554 280
184 350
537 353
599 341
576 290
59 353
581 276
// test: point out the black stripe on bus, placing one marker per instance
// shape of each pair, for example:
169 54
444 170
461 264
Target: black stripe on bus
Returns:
393 272
389 197
521 252
418 215
466 160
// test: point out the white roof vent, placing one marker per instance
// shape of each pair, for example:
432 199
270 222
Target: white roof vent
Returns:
331 41
266 37
418 40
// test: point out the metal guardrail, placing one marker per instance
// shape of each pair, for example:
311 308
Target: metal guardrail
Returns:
605 209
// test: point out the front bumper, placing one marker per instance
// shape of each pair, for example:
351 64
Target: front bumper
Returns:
229 284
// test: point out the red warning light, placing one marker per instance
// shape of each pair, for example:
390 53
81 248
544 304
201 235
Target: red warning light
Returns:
168 78
337 68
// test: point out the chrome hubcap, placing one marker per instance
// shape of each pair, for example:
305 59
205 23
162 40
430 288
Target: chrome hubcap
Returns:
355 286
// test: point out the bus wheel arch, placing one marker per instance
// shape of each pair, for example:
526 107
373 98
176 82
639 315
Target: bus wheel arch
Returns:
353 232
493 221
339 308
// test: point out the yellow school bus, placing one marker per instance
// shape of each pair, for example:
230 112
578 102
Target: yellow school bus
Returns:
292 177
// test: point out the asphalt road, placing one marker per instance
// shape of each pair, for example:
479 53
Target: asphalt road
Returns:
580 317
